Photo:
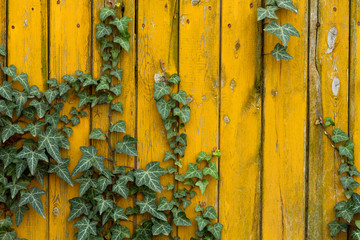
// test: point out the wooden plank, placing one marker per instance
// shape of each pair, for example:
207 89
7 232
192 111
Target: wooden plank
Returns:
240 138
329 49
27 50
70 47
285 121
199 55
3 33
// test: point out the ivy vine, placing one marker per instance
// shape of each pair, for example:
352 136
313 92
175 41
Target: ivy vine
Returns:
283 32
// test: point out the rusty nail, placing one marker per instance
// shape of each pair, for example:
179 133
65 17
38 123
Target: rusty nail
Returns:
188 21
210 8
58 2
12 26
229 25
251 5
32 9
335 9
358 23
78 25
143 25
166 5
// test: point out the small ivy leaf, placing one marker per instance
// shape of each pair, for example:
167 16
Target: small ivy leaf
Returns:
23 79
102 30
78 207
118 127
21 100
279 53
9 235
7 108
75 120
344 167
6 222
10 71
202 185
184 113
180 218
175 79
116 89
89 159
164 107
6 90
49 140
123 41
345 210
32 157
2 50
102 86
164 205
86 183
33 197
268 12
61 170
347 150
106 12
117 73
160 227
149 205
215 230
353 171
120 186
339 136
349 182
9 130
117 107
118 213
19 212
16 186
193 171
7 155
52 82
168 156
90 82
122 25
127 146
211 170
283 32
97 134
63 88
286 4
336 227
202 222
356 199
86 228
355 234
34 91
151 176
198 208
182 139
41 107
329 122
84 99
119 232
160 89
210 213
103 204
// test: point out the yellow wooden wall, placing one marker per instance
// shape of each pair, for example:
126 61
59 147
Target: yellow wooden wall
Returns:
277 172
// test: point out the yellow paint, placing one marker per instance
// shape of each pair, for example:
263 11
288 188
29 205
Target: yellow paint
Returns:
240 122
69 50
27 49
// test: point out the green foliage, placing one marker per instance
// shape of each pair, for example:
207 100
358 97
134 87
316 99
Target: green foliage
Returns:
283 32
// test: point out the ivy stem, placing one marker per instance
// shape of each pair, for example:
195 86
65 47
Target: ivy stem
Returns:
113 161
327 134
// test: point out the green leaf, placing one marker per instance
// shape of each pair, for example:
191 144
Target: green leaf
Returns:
7 108
116 89
268 12
283 32
118 213
355 234
168 156
86 228
122 25
211 170
102 30
78 207
106 12
75 120
32 157
117 107
180 218
49 140
33 197
286 4
120 186
151 176
61 170
215 230
6 91
2 50
6 222
9 130
86 183
344 167
345 210
175 79
7 155
10 71
89 159
329 122
202 222
84 99
11 235
339 136
97 134
34 91
127 146
123 41
164 107
347 182
202 185
356 200
279 53
184 113
336 227
16 186
103 204
118 127
63 88
41 107
210 212
160 227
23 79
193 171
119 232
353 171
103 183
347 150
21 100
19 212
160 90
164 205
149 205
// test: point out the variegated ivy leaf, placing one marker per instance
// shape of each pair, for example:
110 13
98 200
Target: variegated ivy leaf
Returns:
78 207
103 183
6 222
106 12
164 107
127 146
123 42
280 52
117 73
347 150
122 25
339 136
164 205
117 107
7 155
6 90
283 32
52 82
168 156
149 206
102 30
116 89
202 185
7 108
193 171
97 134
10 71
89 159
119 232
16 186
210 212
202 222
349 182
9 235
41 107
160 90
61 170
345 210
286 4
84 99
32 157
40 172
175 79
118 127
21 100
118 213
355 234
63 88
151 176
75 120
19 212
86 183
180 97
215 230
33 197
268 12
161 227
34 91
2 50
103 204
120 186
211 170
184 113
23 79
9 130
86 228
49 140
180 218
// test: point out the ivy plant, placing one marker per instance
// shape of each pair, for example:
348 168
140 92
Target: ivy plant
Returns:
283 32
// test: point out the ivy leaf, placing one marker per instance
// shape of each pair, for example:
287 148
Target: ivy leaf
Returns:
6 91
33 197
149 205
283 32
123 41
49 140
51 95
160 90
120 186
160 227
193 171
117 107
344 167
184 113
78 207
345 210
268 12
347 182
122 25
119 232
23 79
103 204
2 50
116 89
88 159
10 235
9 130
336 227
202 185
118 213
86 228
339 136
63 88
21 100
6 222
97 134
86 183
211 170
7 155
103 183
41 107
7 108
353 171
84 99
279 53
151 176
118 127
16 186
102 30
34 91
210 213
10 71
329 122
61 170
106 12
168 156
164 205
164 107
215 230
32 157
356 199
286 4
180 218
355 234
127 146
117 73
347 150
19 212
202 222
175 79
75 120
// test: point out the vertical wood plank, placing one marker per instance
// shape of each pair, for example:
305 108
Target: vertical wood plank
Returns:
199 56
329 81
70 47
3 33
240 117
285 119
27 49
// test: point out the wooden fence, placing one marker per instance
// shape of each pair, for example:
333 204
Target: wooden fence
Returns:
278 173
